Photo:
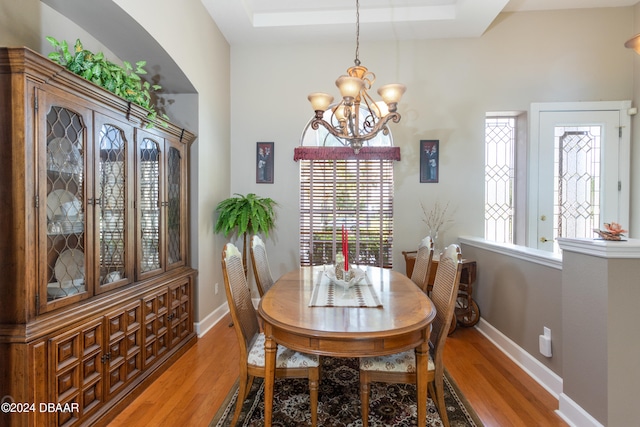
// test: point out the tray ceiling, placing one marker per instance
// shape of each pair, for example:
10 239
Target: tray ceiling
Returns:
298 21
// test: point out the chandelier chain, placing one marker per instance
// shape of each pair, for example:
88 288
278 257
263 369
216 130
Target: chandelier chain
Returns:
357 60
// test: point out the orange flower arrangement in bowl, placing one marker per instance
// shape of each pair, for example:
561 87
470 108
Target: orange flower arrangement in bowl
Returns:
613 231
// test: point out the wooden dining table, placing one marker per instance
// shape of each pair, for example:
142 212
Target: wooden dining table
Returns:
400 322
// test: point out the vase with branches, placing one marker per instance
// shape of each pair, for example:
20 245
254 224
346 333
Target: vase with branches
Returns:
436 219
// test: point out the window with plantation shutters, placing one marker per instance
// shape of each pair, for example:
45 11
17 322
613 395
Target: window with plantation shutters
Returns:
356 193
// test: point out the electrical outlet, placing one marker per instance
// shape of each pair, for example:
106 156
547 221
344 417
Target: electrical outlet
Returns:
215 289
545 342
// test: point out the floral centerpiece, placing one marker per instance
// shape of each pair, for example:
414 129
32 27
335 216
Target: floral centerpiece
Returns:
613 231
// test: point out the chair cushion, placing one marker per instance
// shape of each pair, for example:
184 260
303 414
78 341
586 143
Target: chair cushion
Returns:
399 362
285 358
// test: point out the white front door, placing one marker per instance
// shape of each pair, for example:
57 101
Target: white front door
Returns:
582 175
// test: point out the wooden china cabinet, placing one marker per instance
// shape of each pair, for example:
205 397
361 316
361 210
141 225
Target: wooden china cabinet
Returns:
96 288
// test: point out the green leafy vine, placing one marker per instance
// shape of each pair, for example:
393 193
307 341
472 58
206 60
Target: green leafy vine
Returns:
124 81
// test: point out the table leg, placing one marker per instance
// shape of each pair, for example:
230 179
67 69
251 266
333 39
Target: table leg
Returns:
422 368
270 349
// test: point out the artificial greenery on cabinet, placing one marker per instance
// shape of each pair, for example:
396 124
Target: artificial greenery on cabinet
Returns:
124 81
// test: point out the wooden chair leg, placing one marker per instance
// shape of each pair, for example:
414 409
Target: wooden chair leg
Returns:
243 389
314 381
438 397
364 398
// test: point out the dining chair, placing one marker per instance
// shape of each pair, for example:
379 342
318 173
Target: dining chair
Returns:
260 262
401 367
289 363
424 258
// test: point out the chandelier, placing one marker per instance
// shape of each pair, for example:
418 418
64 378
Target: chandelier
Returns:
357 117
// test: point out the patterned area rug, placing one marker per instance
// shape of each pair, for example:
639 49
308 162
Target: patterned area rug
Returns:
339 402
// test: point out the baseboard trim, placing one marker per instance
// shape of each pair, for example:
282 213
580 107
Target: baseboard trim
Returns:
536 370
210 321
574 415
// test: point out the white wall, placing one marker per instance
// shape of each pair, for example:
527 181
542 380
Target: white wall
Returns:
28 22
523 58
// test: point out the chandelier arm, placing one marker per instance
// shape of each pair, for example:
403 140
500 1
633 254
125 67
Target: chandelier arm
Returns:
381 125
368 123
367 100
355 122
335 131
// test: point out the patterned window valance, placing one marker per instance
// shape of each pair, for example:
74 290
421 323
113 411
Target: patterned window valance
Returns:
346 153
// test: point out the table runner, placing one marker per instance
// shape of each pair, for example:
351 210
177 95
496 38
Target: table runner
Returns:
327 294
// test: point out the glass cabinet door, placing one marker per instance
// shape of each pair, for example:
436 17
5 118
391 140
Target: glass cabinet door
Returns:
161 210
175 207
149 206
112 198
66 239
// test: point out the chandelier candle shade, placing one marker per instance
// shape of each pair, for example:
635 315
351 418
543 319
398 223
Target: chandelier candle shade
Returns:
357 118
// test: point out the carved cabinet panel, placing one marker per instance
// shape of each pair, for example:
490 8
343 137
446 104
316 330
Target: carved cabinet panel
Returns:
76 363
156 326
180 318
124 356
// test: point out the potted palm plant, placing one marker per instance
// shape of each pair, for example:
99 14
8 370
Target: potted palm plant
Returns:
245 214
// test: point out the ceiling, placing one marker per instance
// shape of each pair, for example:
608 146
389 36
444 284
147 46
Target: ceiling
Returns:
288 21
299 21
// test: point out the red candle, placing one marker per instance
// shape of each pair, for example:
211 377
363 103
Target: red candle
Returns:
342 240
346 248
346 245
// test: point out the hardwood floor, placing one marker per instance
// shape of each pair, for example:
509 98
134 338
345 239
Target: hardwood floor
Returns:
192 390
500 392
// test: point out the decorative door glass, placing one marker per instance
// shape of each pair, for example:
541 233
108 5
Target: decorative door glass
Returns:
149 204
173 215
576 181
65 204
111 197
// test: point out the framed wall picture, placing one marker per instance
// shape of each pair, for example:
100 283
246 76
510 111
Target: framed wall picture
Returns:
429 161
264 162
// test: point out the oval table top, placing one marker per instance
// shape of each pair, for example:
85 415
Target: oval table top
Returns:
397 325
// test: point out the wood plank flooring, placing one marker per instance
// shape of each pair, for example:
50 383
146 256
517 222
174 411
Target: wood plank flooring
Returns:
190 392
